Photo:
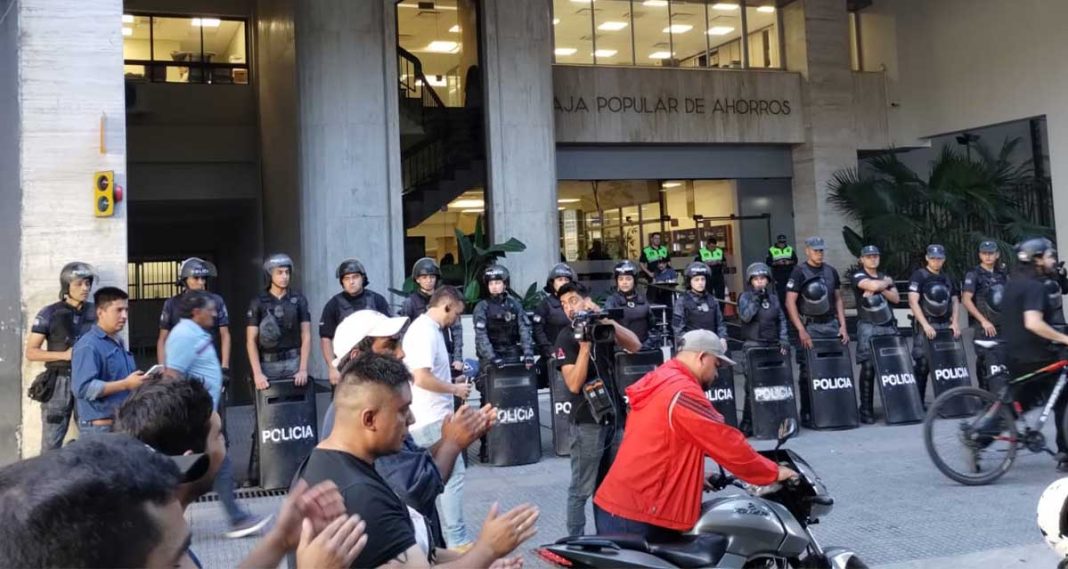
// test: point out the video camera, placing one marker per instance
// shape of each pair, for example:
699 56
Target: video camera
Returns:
590 326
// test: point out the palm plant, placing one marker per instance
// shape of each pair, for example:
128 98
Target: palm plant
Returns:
963 201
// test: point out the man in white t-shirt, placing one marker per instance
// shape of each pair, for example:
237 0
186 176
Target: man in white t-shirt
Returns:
433 391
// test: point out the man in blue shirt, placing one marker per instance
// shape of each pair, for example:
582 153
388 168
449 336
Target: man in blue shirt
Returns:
102 370
191 352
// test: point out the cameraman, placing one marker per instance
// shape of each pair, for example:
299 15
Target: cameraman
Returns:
582 362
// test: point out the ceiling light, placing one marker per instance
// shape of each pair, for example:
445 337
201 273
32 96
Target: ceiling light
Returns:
565 51
467 204
766 9
568 200
725 7
678 28
612 26
206 22
605 53
670 184
473 211
655 3
419 6
433 81
455 29
660 55
127 19
582 1
556 21
440 46
720 30
127 32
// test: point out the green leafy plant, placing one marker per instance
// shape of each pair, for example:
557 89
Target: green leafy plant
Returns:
961 202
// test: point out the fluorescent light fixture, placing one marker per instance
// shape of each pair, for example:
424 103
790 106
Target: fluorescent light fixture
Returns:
565 51
435 80
605 53
655 3
127 32
766 9
127 19
556 21
582 1
678 28
441 46
660 55
455 29
472 211
720 30
724 7
612 26
467 204
206 22
568 200
670 184
417 6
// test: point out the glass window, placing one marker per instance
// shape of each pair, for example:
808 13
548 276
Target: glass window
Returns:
614 35
573 31
688 33
724 32
185 49
762 29
652 37
441 46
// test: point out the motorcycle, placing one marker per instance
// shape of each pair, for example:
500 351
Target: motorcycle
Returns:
766 528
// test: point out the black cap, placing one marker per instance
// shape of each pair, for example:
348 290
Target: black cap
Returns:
781 238
988 247
936 251
869 250
815 243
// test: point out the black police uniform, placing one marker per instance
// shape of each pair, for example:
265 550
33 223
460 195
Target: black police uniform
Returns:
866 330
638 317
415 306
502 336
658 261
763 325
549 319
921 279
61 324
343 304
979 282
172 312
818 326
697 311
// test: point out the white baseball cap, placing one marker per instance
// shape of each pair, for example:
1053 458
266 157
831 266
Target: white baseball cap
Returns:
704 341
364 324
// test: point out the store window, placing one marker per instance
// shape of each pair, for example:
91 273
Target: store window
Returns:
188 49
668 33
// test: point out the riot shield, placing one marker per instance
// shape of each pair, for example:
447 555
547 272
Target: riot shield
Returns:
771 385
997 370
632 367
560 398
897 383
516 438
721 395
832 394
949 366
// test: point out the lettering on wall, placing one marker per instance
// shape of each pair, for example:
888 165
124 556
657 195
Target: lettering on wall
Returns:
671 105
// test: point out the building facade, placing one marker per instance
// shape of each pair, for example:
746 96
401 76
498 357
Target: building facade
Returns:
379 129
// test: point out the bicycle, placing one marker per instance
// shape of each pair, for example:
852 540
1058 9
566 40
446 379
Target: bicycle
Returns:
988 426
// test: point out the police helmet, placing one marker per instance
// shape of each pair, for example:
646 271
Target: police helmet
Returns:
195 267
495 273
562 270
815 298
757 270
1053 516
625 267
935 299
875 309
73 271
1027 250
351 267
425 266
994 296
696 269
1053 290
275 261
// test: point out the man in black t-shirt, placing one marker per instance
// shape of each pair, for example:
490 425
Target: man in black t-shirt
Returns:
1028 309
593 443
935 303
373 401
354 296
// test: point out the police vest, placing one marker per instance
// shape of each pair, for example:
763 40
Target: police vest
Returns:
658 254
764 327
713 256
502 324
635 313
700 312
783 254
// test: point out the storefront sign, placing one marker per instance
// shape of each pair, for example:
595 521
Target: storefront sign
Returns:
640 105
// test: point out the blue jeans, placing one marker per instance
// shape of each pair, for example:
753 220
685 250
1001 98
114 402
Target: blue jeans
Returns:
328 422
224 487
450 503
589 448
611 524
84 428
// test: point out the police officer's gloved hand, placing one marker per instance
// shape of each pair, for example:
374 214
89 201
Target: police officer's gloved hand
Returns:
225 377
498 362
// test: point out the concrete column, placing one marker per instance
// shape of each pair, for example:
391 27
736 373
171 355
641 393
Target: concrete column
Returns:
517 48
68 111
350 184
817 46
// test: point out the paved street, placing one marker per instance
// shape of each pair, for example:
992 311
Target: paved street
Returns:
892 506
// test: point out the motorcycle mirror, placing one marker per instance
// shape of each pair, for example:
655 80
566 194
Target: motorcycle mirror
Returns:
787 430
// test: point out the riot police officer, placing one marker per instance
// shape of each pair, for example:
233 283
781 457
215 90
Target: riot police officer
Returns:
637 316
549 317
502 332
60 324
427 275
278 336
656 266
874 292
981 296
782 259
697 309
354 296
763 325
815 309
712 255
193 274
935 304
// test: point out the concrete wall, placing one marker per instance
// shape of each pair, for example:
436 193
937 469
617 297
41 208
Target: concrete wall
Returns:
63 96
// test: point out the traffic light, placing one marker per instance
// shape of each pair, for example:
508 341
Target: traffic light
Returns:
104 193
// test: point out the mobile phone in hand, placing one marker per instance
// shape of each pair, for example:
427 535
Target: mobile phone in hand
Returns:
155 370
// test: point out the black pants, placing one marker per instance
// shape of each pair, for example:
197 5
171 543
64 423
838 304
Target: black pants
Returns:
1033 392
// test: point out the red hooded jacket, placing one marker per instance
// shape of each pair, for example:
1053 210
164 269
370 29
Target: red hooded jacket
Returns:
658 475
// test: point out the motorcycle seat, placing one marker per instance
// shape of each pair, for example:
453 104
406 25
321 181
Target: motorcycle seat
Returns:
692 551
623 541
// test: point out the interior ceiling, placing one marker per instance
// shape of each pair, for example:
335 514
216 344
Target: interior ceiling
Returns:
419 23
181 30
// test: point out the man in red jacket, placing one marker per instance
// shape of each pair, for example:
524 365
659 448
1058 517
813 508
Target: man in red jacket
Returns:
654 487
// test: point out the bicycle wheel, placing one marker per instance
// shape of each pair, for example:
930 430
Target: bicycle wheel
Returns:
970 436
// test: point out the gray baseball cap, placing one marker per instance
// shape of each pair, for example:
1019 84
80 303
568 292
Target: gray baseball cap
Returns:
815 243
988 247
936 251
704 341
869 250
